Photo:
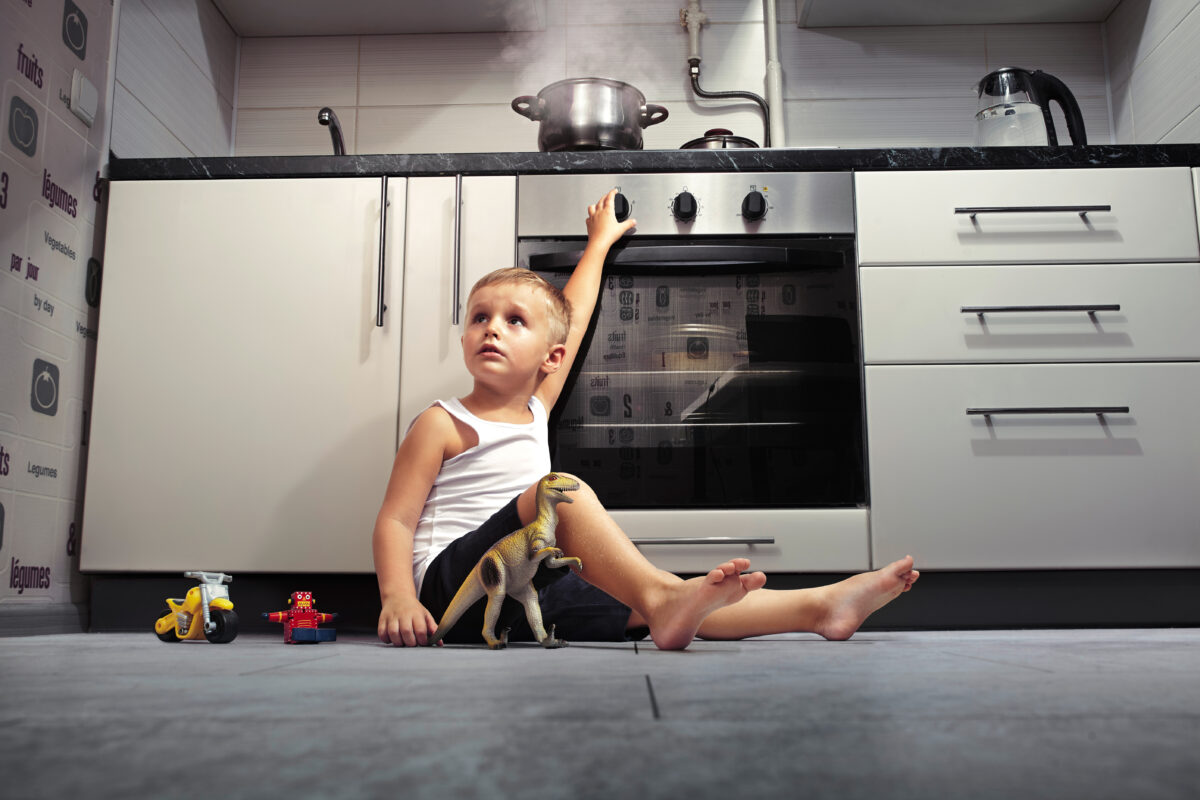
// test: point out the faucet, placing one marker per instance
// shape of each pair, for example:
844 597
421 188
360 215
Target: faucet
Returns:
326 117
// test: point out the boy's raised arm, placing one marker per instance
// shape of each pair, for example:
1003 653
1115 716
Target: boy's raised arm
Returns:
584 286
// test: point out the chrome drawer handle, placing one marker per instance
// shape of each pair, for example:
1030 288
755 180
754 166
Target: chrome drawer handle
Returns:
1080 210
1088 309
988 412
678 540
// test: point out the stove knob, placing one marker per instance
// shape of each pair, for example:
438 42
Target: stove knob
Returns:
684 207
621 207
754 206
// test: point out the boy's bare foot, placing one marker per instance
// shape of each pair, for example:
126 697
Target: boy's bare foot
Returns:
850 602
676 617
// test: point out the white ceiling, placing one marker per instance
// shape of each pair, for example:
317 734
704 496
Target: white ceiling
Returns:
356 17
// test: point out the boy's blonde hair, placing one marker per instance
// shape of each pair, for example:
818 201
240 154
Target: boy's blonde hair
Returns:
558 308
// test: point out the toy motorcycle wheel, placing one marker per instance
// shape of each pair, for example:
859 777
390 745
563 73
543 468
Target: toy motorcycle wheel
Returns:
225 626
169 636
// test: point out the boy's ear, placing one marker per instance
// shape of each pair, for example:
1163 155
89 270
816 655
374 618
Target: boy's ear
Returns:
554 359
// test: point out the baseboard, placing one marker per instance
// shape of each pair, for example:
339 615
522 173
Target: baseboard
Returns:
940 600
34 619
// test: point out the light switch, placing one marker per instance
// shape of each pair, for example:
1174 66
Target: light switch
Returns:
84 98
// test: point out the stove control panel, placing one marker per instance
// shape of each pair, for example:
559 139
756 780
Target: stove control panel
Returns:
726 203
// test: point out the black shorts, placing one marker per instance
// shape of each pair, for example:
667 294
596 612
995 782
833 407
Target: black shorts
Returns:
579 611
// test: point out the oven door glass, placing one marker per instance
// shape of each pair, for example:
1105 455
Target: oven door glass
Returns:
716 374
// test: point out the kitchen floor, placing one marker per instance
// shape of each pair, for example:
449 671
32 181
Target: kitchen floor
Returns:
1011 714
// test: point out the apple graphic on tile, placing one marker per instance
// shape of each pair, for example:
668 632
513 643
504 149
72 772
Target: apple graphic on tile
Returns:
22 126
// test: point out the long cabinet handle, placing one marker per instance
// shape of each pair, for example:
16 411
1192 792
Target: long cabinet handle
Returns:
681 540
1080 210
988 412
1086 309
383 205
457 290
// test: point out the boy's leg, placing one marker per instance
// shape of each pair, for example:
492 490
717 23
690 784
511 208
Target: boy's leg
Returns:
835 611
672 608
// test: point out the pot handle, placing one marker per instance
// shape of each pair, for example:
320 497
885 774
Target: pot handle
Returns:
652 115
528 105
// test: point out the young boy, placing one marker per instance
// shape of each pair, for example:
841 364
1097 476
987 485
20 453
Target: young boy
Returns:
466 473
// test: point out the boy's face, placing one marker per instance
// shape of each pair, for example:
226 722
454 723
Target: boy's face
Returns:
507 335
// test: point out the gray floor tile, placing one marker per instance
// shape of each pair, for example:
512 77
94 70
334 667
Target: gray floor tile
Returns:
1029 714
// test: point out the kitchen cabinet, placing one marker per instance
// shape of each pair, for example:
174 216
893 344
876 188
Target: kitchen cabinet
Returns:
457 231
1026 216
245 406
1025 411
1020 313
964 490
875 13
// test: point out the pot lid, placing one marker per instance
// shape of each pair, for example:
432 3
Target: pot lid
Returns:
719 138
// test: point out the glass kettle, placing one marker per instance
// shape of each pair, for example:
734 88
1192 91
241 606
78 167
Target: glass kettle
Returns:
1014 109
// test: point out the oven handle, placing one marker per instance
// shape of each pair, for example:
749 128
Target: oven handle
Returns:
681 540
698 256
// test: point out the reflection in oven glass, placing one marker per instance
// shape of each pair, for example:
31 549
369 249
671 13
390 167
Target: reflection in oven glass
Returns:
719 391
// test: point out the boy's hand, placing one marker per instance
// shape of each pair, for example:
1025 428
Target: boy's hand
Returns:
406 623
602 226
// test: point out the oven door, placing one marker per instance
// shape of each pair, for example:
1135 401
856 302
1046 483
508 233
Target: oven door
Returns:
716 374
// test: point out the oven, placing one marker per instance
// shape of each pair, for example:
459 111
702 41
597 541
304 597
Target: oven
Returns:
717 404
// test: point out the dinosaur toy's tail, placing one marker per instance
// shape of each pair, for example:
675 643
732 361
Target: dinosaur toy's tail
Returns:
466 596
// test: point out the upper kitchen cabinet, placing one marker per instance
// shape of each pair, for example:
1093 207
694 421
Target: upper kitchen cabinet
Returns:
458 230
374 17
857 13
244 415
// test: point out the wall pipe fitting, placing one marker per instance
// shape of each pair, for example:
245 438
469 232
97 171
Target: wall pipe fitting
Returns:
693 18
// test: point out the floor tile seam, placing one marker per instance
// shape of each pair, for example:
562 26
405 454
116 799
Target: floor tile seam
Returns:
287 665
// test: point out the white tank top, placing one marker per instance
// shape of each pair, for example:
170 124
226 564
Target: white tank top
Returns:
478 482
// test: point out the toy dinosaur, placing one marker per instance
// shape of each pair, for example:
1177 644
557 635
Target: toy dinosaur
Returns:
508 567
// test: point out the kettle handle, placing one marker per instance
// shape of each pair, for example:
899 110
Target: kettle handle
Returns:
1051 88
528 106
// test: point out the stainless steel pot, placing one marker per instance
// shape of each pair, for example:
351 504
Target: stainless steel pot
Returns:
719 139
589 114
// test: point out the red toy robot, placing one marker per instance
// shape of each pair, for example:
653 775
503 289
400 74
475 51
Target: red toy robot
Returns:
301 619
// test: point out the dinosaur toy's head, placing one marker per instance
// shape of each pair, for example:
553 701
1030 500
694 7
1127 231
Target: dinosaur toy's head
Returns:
555 486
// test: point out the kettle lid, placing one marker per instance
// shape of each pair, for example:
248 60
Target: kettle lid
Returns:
1005 81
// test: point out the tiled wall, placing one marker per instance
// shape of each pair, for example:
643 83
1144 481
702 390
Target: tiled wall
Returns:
51 226
1154 62
176 68
848 87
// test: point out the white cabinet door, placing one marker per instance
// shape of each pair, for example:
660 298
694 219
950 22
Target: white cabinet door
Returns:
435 292
1026 216
1035 490
244 416
994 313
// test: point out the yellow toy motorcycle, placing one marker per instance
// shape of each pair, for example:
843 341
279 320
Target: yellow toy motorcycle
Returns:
206 612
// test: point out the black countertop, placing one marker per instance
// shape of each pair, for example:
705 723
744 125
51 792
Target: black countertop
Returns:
620 161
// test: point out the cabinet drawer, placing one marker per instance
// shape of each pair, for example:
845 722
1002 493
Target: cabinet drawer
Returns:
801 540
979 217
1114 312
1035 490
